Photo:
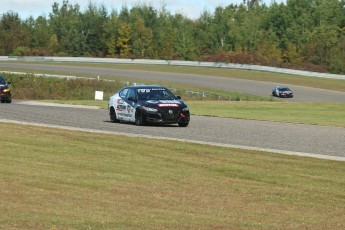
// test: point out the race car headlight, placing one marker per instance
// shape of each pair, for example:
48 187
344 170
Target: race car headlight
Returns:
148 109
185 109
6 90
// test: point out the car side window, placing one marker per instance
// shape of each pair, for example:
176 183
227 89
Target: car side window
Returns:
123 93
131 93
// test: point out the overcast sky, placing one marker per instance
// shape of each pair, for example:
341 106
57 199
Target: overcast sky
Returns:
189 8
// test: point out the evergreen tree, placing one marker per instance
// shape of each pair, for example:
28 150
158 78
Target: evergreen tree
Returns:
142 40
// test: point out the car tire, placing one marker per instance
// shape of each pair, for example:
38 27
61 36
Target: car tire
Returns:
113 116
139 119
183 124
8 101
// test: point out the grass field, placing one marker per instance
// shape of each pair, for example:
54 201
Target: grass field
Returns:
57 179
328 114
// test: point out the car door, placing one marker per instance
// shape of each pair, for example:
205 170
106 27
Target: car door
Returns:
121 105
131 102
277 91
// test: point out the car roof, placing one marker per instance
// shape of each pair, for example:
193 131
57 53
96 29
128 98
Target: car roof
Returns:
279 86
144 86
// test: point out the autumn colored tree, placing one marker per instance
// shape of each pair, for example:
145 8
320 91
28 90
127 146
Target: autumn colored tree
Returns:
123 40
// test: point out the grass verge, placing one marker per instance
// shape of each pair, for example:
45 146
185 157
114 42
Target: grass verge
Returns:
328 114
57 179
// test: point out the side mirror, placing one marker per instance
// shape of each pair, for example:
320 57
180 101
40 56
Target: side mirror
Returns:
178 97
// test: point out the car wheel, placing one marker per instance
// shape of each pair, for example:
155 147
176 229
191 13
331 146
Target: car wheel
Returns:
2 101
8 101
112 115
139 119
183 124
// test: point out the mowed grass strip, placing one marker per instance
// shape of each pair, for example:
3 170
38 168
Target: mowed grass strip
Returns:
58 179
328 114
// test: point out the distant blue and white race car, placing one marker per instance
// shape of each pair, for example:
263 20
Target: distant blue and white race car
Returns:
282 91
148 104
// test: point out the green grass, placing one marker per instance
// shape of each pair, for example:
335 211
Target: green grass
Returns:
57 179
328 114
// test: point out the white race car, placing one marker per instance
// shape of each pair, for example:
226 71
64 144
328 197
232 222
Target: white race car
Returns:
148 104
282 91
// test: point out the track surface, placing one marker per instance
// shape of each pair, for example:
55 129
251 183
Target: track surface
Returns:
302 94
273 136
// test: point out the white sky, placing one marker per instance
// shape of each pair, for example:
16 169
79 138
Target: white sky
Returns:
189 8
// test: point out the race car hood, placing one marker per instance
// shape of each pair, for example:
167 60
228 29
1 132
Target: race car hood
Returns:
3 87
162 103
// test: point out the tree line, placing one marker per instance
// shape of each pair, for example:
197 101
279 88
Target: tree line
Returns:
303 34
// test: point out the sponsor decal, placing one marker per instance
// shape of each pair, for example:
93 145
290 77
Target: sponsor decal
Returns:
128 108
168 105
121 107
149 90
144 90
124 115
169 102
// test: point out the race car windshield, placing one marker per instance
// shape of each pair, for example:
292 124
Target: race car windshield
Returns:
284 89
155 94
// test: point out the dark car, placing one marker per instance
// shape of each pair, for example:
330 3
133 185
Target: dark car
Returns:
148 104
5 92
282 91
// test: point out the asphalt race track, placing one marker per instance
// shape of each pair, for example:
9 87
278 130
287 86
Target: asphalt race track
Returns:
302 94
319 141
310 140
